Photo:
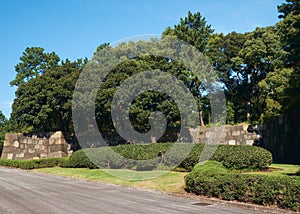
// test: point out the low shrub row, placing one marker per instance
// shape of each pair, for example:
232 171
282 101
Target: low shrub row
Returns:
34 164
214 180
126 156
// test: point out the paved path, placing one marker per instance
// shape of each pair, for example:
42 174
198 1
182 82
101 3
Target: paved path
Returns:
30 192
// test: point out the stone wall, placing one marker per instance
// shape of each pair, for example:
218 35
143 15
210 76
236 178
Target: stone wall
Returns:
55 145
282 137
22 147
225 135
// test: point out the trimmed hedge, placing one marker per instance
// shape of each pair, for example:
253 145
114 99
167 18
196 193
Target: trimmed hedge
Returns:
125 156
214 180
232 157
34 164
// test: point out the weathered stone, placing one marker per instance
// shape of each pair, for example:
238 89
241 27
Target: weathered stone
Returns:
58 154
245 127
6 143
236 133
210 134
232 142
10 156
16 144
249 142
31 151
44 155
20 155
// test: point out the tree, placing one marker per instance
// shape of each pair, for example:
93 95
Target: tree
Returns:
242 62
290 7
34 62
3 129
194 30
256 59
43 103
145 103
275 85
222 49
289 32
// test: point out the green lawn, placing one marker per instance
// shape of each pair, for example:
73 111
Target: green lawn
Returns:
280 170
163 181
157 180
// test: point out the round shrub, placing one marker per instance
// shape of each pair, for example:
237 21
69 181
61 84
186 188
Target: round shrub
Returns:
243 157
79 160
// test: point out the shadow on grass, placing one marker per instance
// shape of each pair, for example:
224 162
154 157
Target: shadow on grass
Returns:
294 174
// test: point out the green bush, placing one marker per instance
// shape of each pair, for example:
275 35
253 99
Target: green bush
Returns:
232 157
34 164
213 180
125 156
147 165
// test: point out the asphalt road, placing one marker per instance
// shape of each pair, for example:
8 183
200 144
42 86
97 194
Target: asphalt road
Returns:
30 192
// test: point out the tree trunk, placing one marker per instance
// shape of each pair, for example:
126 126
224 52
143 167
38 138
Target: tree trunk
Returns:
200 107
201 118
248 111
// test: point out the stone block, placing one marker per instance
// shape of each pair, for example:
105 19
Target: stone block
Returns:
31 151
58 154
210 135
51 141
16 144
29 141
231 142
43 155
60 141
57 134
10 156
249 142
245 127
236 133
6 143
20 155
35 158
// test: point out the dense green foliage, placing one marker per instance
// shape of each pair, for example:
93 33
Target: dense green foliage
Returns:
43 102
35 164
233 157
4 128
214 180
145 103
125 156
259 70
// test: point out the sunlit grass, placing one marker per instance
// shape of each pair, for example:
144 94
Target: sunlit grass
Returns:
280 170
161 180
173 182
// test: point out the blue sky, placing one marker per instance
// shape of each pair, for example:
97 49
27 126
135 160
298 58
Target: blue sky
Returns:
74 28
